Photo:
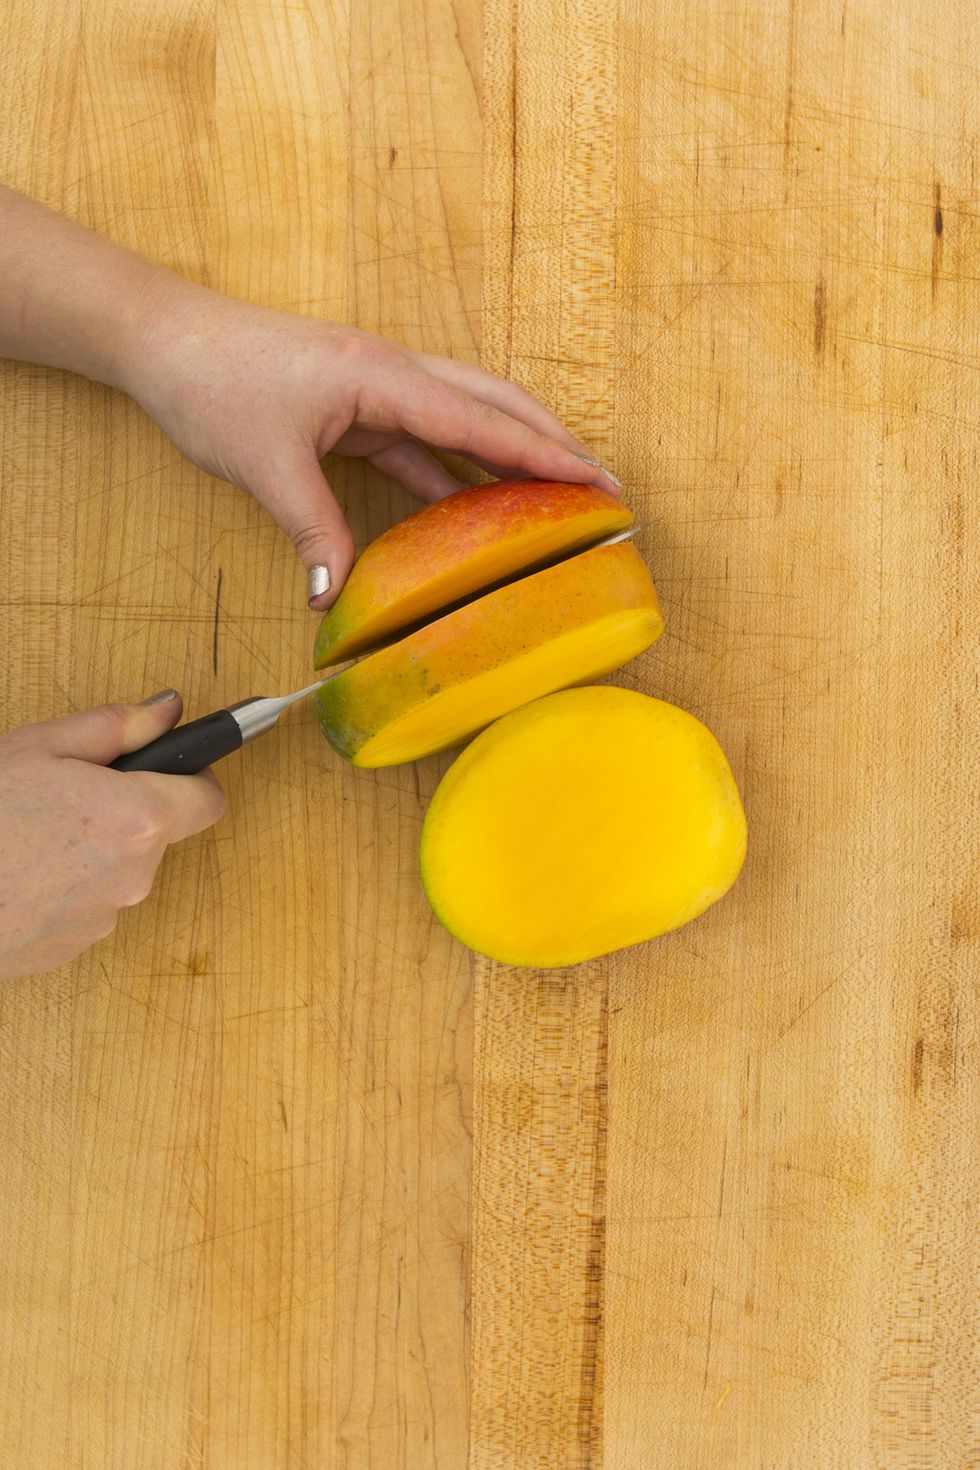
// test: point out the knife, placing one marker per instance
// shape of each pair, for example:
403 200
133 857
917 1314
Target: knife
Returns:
189 748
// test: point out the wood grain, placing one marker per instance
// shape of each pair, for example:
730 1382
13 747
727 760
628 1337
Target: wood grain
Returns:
541 1040
792 1258
271 1149
238 1134
539 1174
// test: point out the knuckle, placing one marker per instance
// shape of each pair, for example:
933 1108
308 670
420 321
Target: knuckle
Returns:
134 888
111 716
368 347
146 826
219 801
306 537
479 417
309 537
210 800
362 354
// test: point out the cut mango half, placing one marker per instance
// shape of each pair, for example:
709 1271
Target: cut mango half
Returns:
458 546
568 624
585 822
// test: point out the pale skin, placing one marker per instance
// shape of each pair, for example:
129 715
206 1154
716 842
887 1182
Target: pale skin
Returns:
250 395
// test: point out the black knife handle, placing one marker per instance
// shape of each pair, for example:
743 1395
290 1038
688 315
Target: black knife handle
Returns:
186 749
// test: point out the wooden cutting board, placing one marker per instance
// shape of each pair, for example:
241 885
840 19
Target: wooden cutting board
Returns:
290 1180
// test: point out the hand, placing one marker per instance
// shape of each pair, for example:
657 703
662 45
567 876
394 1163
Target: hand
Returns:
258 397
79 842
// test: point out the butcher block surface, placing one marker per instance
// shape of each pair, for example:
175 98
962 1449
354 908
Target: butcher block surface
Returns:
291 1181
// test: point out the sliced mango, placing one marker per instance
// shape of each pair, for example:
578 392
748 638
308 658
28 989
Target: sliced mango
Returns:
571 623
458 546
587 821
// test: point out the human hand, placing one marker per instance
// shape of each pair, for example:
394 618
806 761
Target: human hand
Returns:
258 397
79 842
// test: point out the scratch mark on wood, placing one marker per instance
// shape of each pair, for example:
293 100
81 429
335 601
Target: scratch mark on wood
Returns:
217 615
711 1318
790 69
937 236
721 1191
808 1007
819 315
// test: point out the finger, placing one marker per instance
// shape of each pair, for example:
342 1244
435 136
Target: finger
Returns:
512 399
444 415
99 735
500 470
188 804
296 494
508 396
419 471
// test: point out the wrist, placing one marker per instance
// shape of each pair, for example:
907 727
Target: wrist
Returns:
71 299
152 314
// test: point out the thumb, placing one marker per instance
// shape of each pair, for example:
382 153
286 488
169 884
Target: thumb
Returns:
100 734
299 498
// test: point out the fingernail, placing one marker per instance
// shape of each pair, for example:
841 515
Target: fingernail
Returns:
319 582
164 697
597 466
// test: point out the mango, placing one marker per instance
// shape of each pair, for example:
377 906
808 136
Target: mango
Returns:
585 822
458 546
569 623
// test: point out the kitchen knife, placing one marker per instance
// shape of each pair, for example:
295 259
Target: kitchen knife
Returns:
187 749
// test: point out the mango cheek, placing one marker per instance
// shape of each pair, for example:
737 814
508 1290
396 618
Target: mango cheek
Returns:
583 823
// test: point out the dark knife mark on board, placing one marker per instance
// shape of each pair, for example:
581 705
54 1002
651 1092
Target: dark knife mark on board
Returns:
937 236
819 315
217 615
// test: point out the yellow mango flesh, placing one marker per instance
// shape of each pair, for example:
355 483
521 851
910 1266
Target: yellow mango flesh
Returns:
570 623
458 546
588 821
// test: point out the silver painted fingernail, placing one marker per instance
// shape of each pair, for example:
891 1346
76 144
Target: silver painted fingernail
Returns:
319 582
597 466
164 697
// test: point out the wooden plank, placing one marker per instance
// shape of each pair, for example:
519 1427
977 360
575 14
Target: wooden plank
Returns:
792 1252
765 1278
538 1216
243 1120
540 1038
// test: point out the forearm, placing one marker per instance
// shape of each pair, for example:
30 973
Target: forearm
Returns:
68 297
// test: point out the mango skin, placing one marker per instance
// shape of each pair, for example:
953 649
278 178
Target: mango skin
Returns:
580 824
606 587
456 547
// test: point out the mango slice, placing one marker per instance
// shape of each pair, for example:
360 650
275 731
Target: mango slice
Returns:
458 546
569 624
587 821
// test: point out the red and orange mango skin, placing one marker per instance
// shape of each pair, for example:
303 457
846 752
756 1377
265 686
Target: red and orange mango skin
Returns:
568 624
460 546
